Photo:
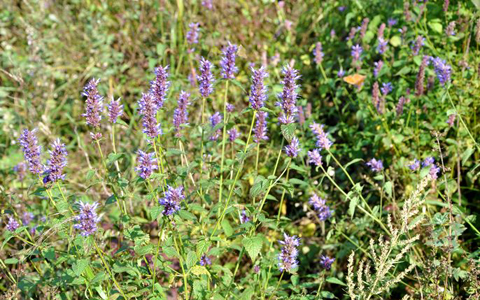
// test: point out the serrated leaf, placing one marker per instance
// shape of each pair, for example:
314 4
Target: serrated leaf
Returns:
202 247
191 259
353 204
253 246
227 228
79 266
288 131
199 270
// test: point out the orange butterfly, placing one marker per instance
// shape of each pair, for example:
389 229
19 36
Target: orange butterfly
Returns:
355 79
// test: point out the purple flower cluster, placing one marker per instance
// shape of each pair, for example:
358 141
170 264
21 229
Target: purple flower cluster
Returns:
205 78
293 148
87 219
287 259
318 53
171 201
159 87
115 110
442 69
418 44
12 224
27 218
451 119
314 157
228 61
205 260
146 164
392 22
215 119
31 150
288 96
230 107
320 206
244 217
414 165
375 165
428 161
258 94
260 129
386 88
419 89
57 161
326 262
322 140
208 4
180 115
148 109
94 103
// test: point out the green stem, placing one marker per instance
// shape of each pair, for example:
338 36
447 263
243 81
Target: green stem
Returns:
278 284
156 255
160 165
107 268
223 141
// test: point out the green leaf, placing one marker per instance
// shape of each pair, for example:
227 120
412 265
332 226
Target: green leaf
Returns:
253 246
353 204
388 188
395 41
436 26
327 295
199 270
191 259
202 247
79 266
259 185
187 215
248 293
335 280
11 261
288 131
227 228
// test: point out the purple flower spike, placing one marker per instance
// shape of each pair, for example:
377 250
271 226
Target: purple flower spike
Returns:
326 262
428 161
287 259
215 119
451 120
171 201
314 157
318 54
115 110
148 110
414 165
192 35
146 164
356 52
31 150
322 140
233 134
12 224
288 96
260 129
208 4
378 68
375 165
94 103
205 260
87 219
258 93
159 87
341 73
21 170
57 161
320 206
205 79
180 115
293 149
442 69
382 45
228 61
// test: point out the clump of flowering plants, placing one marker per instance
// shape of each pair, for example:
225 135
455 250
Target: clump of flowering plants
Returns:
314 150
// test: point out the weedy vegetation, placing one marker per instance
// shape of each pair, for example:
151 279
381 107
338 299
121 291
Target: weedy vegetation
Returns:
239 149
